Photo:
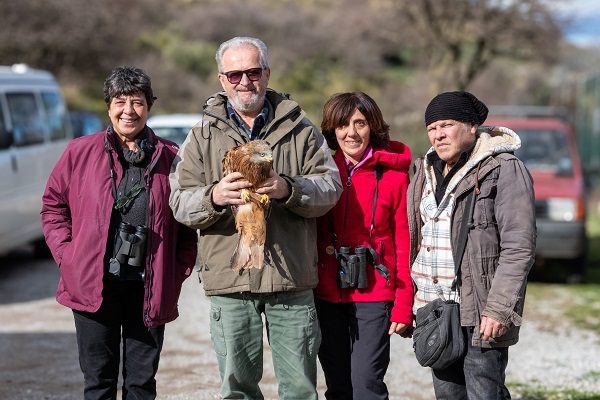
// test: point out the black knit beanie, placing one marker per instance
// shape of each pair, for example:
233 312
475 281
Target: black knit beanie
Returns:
459 106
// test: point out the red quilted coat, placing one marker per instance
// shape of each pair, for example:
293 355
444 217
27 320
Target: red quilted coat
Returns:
351 220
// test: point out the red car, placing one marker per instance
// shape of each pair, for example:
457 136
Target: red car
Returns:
549 150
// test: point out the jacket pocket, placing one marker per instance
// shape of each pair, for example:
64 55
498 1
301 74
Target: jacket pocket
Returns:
483 214
66 256
488 269
483 272
313 333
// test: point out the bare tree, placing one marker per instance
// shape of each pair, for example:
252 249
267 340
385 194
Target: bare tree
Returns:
457 40
72 37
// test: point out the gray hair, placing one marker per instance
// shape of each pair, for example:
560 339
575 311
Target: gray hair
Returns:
128 81
243 41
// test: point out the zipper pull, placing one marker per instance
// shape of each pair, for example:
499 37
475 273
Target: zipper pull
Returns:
348 182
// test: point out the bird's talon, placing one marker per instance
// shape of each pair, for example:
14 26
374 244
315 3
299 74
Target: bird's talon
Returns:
245 195
264 199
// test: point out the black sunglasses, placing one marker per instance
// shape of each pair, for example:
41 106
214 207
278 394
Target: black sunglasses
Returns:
127 198
235 77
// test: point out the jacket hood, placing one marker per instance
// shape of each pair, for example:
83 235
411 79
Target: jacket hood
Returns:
494 140
215 105
284 115
397 156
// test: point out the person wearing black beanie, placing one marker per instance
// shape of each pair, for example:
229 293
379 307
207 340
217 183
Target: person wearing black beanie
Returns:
471 215
446 112
460 106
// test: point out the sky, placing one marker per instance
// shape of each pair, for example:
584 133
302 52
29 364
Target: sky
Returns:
584 28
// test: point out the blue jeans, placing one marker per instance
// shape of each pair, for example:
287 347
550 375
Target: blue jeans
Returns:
479 375
236 329
99 337
355 352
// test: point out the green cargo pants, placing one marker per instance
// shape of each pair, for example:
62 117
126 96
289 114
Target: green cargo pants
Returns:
236 328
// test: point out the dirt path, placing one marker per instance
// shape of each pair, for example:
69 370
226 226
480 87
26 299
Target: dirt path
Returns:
39 357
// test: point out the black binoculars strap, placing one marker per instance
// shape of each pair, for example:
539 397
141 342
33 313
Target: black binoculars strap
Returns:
112 168
378 176
380 268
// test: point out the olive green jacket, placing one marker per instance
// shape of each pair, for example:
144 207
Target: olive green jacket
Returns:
300 155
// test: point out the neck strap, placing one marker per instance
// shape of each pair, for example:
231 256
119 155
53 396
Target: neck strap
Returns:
112 170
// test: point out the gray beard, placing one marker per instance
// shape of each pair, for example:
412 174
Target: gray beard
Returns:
255 105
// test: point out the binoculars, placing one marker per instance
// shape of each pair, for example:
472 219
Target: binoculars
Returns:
352 267
129 250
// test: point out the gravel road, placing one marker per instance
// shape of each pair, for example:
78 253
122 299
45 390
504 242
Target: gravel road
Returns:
39 357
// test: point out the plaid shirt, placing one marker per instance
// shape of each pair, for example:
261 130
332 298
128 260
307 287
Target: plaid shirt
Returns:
433 269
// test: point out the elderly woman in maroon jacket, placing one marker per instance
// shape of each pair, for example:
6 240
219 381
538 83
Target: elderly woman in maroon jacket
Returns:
365 291
122 255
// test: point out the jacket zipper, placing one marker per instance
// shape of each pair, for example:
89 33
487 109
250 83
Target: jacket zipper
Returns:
348 184
150 270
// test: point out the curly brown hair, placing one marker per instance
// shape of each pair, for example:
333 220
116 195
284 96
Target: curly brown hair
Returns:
341 106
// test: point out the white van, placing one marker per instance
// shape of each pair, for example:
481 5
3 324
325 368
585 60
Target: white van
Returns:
34 131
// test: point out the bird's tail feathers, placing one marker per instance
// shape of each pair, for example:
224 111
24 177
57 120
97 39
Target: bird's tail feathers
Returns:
248 256
250 250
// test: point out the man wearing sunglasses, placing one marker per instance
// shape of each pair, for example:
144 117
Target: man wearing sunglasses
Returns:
303 185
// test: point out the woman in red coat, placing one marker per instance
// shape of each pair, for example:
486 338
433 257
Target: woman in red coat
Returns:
365 292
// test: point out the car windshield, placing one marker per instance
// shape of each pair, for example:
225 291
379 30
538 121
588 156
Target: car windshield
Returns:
545 150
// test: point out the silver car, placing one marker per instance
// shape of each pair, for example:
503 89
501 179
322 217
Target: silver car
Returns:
173 127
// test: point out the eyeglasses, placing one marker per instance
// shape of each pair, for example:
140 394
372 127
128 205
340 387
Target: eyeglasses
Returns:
127 198
235 77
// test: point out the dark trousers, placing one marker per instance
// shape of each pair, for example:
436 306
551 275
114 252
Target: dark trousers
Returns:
99 340
479 375
355 349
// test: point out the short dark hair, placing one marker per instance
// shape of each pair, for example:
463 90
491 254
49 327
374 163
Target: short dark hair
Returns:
128 81
341 106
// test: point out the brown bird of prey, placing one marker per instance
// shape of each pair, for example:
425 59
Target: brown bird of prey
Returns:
254 160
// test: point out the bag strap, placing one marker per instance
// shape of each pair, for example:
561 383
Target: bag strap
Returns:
378 176
380 268
462 238
466 225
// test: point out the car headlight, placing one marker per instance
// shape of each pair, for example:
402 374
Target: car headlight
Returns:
563 209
